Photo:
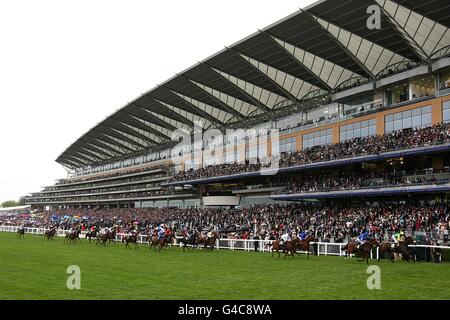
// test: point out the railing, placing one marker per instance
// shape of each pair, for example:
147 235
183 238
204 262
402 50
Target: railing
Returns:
375 186
396 68
441 53
33 230
351 83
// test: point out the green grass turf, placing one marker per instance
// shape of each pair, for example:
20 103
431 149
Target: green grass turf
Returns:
34 268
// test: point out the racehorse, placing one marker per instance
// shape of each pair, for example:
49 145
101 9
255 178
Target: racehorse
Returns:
303 245
290 247
73 236
91 234
209 242
103 238
106 236
364 249
20 233
402 248
159 243
130 239
193 240
49 234
276 247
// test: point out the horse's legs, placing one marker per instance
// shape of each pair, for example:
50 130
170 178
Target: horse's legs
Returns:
363 257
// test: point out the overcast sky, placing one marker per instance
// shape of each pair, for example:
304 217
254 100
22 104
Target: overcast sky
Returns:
66 65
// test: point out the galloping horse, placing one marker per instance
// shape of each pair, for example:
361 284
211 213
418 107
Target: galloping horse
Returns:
73 236
193 240
365 249
49 234
103 238
290 247
209 242
130 239
21 232
91 234
402 248
303 245
276 247
159 243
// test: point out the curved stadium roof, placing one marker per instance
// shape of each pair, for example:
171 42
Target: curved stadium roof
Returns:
312 53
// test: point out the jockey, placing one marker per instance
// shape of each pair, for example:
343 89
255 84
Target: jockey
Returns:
285 237
103 231
161 231
303 235
395 237
398 236
361 239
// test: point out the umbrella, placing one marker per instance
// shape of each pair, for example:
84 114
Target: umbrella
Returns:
85 218
136 222
76 217
66 217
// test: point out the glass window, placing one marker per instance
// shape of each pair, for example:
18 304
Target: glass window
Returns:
446 111
358 130
317 138
416 118
288 145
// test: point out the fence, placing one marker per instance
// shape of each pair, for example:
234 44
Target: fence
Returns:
318 248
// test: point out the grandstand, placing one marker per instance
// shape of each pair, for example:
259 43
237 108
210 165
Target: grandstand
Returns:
348 114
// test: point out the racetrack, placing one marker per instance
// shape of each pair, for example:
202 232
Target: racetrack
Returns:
34 268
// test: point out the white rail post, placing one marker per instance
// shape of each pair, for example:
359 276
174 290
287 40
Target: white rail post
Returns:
326 249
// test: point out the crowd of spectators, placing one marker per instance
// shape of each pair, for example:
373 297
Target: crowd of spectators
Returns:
219 170
111 196
85 191
335 222
106 175
408 138
57 188
351 180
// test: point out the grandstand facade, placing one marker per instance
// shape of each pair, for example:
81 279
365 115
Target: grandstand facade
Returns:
350 100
